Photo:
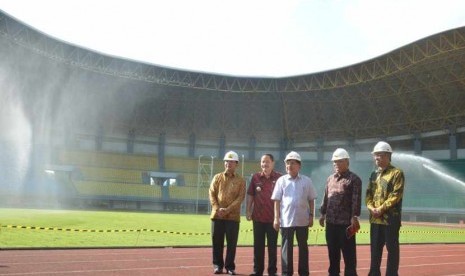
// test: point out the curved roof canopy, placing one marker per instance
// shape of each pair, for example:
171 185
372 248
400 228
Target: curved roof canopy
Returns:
414 89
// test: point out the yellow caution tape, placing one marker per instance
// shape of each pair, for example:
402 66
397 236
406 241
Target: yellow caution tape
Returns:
187 233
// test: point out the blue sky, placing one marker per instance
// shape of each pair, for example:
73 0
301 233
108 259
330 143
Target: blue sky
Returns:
267 38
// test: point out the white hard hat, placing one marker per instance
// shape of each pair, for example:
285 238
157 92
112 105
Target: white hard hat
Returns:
231 156
293 156
382 147
339 154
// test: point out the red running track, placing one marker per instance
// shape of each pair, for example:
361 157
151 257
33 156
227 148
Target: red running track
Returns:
428 259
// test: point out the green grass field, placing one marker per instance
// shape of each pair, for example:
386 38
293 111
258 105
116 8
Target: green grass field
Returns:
36 228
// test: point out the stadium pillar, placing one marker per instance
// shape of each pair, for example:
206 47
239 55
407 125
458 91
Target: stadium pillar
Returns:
351 149
320 150
222 146
252 147
453 142
284 146
161 151
99 138
282 149
130 141
417 144
191 145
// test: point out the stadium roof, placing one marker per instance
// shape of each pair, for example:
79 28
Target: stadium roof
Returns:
416 89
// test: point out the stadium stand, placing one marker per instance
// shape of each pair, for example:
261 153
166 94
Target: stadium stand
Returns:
181 164
191 179
188 193
110 174
115 190
115 177
107 159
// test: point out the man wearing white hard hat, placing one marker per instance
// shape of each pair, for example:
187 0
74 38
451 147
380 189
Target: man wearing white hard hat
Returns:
294 205
384 202
227 191
340 210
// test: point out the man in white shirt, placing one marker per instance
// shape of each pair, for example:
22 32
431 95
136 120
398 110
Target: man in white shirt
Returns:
294 204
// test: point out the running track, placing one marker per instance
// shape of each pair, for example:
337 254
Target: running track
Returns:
428 259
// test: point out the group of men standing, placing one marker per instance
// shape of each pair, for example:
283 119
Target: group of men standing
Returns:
286 203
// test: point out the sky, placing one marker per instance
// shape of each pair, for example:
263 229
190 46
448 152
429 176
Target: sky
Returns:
258 38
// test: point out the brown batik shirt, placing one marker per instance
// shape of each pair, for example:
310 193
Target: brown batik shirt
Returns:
342 198
227 190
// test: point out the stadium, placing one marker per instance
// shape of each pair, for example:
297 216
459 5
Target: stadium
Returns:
82 129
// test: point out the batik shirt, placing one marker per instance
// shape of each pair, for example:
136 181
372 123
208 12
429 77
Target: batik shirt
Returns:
261 189
227 190
385 190
342 198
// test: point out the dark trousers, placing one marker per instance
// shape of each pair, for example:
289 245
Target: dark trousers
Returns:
221 229
381 235
337 241
287 258
260 232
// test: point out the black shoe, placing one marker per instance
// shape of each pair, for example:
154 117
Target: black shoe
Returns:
231 272
255 274
217 271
